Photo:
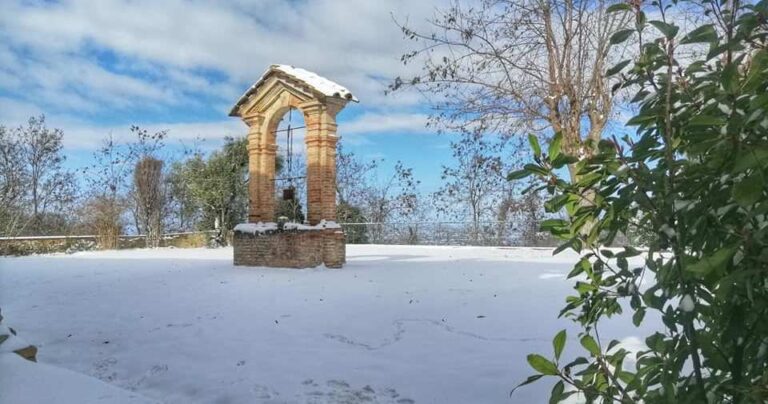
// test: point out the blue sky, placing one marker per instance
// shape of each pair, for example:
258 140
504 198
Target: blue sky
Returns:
97 67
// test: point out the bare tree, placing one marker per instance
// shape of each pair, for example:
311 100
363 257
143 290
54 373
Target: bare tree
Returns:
529 213
48 184
395 197
41 152
352 174
36 190
474 184
103 216
108 187
12 182
148 181
145 145
512 66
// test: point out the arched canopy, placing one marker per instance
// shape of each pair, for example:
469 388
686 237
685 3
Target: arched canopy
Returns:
280 88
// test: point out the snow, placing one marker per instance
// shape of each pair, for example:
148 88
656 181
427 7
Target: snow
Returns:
254 228
398 324
324 224
12 342
319 83
22 381
260 227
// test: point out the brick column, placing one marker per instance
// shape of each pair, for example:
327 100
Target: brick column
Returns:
328 165
320 120
313 135
260 152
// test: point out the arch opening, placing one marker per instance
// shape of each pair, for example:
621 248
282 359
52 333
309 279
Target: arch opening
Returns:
291 167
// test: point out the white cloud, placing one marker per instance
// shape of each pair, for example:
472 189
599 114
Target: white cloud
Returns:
350 41
16 112
85 62
385 122
83 136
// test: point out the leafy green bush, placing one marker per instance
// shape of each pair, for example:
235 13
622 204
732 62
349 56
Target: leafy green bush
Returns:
354 234
695 175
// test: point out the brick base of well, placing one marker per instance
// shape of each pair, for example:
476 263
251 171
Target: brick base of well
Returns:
295 248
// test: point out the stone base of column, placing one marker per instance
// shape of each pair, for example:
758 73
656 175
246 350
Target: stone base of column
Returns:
293 246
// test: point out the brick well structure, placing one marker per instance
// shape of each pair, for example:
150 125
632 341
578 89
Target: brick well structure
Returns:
278 90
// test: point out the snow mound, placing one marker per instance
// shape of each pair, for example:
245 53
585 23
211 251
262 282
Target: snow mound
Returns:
254 228
260 227
29 382
12 341
324 224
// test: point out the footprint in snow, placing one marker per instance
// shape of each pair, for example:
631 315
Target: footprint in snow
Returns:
102 369
263 392
339 391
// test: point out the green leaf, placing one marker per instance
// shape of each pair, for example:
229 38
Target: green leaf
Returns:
637 318
517 175
669 30
3 338
751 158
621 36
533 168
557 203
584 287
562 247
590 345
534 145
557 392
629 251
626 377
581 266
617 68
529 380
704 33
542 365
558 343
551 224
756 74
554 146
749 190
562 160
714 262
614 8
576 362
706 120
641 119
730 77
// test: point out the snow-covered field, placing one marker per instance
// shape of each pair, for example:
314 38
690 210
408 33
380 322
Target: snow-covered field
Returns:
398 324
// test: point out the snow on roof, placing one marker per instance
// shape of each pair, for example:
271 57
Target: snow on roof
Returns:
318 83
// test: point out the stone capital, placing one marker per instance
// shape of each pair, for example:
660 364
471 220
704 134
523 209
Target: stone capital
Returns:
254 120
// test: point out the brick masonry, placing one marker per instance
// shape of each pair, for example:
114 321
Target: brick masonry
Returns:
290 248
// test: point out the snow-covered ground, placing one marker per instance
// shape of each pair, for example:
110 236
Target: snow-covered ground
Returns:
398 324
